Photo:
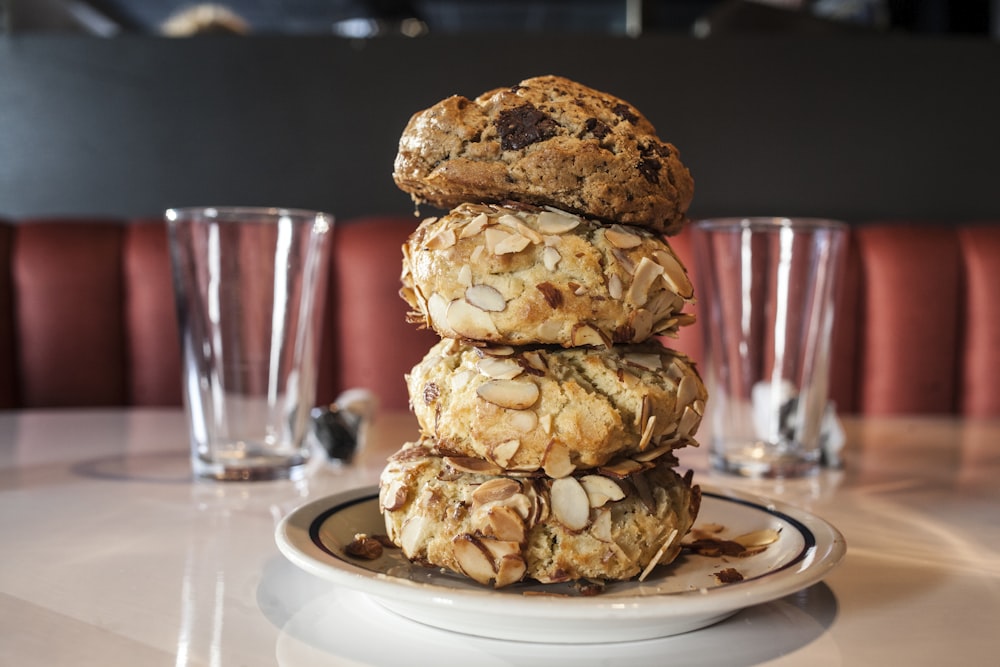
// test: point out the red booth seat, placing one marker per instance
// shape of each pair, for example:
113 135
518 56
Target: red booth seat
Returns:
87 316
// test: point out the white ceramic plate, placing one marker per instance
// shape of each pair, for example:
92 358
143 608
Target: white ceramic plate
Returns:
680 597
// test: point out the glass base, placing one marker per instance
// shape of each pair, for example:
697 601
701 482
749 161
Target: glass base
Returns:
761 460
254 469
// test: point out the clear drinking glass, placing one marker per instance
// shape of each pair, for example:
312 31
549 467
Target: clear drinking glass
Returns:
249 286
766 290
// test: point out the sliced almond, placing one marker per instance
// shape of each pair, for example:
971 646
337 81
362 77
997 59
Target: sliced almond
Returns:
600 490
551 222
511 244
654 453
601 525
645 411
517 225
648 360
505 524
496 350
499 368
393 495
659 555
552 295
472 465
641 321
530 234
443 240
437 312
486 298
689 423
622 468
521 504
758 538
556 462
477 254
584 335
646 271
511 394
570 505
647 433
545 421
615 289
624 260
503 452
465 275
676 370
535 360
686 319
469 321
476 225
550 258
667 327
620 237
494 236
687 392
412 534
473 558
495 490
390 528
511 570
499 548
509 221
541 505
674 274
664 304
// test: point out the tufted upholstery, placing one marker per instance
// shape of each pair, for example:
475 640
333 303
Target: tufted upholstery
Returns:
87 314
87 317
918 322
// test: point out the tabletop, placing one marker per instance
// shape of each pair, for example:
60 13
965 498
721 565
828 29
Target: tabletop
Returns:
112 555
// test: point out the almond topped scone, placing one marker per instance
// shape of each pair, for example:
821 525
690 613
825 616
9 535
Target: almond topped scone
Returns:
546 141
518 275
554 409
501 529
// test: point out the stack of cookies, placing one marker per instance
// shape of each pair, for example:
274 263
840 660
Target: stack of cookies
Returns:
549 411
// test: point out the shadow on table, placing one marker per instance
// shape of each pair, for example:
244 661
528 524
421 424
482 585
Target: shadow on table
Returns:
322 624
151 467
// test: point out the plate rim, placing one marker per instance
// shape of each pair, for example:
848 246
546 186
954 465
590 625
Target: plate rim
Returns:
828 548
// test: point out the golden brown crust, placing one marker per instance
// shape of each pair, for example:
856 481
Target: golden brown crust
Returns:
546 141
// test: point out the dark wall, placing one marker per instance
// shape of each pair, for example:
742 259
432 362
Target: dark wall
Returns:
857 128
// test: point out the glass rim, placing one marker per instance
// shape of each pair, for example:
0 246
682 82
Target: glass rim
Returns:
234 213
766 223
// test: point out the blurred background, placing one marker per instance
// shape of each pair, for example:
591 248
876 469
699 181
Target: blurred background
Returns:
361 18
852 109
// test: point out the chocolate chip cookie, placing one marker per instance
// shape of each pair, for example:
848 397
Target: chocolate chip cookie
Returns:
546 141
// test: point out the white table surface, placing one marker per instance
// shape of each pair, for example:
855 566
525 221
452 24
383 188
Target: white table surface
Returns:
111 555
